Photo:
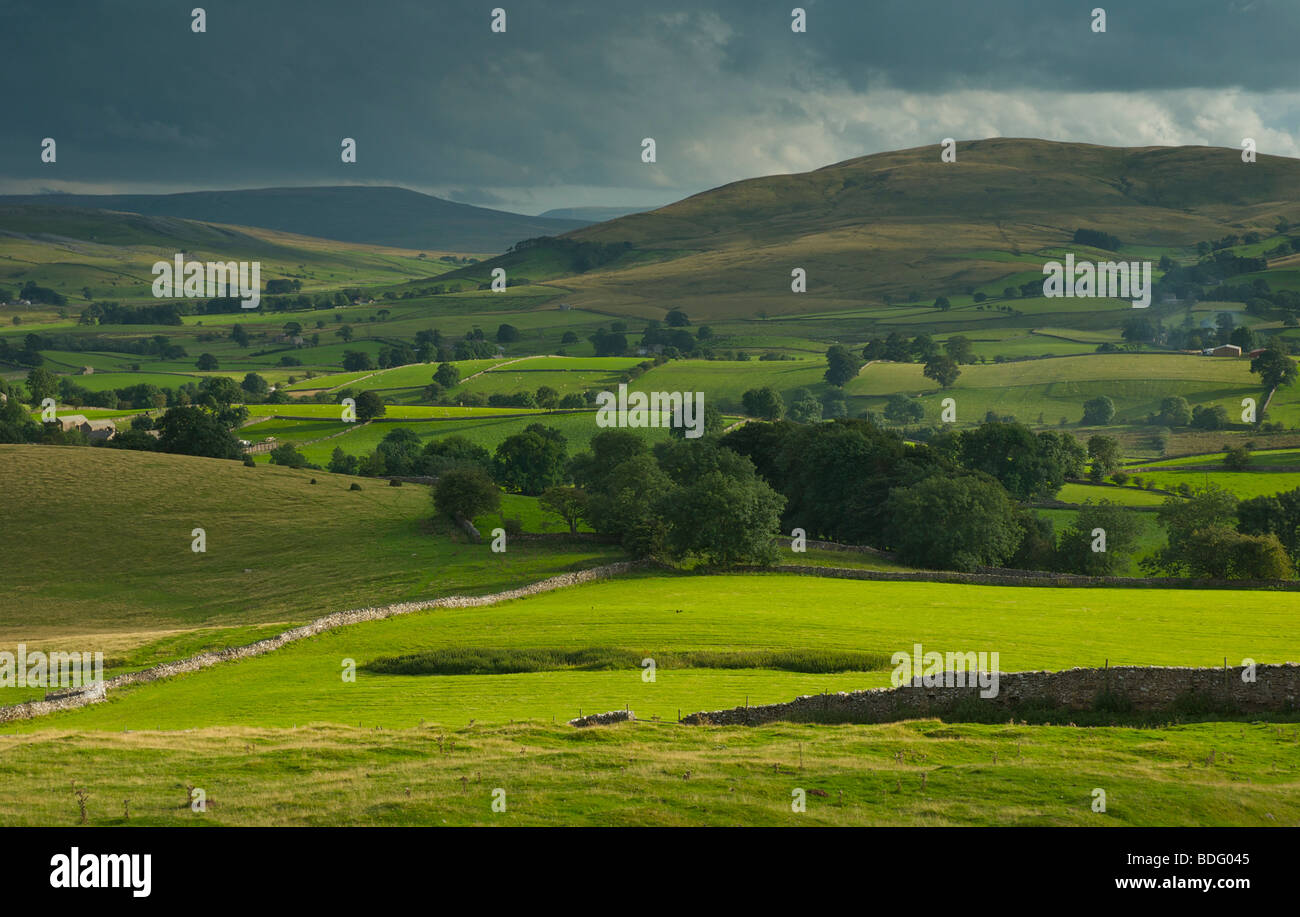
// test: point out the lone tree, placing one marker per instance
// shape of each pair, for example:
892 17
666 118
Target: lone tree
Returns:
447 375
960 349
842 365
569 503
1105 456
1098 411
463 493
41 384
370 406
1274 368
942 369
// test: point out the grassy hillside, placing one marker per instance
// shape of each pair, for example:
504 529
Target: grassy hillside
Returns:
117 568
892 223
67 248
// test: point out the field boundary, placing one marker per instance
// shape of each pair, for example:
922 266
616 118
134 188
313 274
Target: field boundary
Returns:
994 576
98 692
956 695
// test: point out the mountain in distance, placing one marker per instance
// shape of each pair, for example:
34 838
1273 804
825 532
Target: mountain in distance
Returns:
110 253
903 226
591 214
395 217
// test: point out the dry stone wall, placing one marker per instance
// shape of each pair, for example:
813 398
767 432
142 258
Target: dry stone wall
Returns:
604 719
1276 688
320 625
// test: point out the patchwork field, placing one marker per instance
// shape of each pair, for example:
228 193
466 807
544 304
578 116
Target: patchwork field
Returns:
97 544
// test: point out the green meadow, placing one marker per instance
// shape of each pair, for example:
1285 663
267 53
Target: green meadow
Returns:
651 615
1048 391
922 773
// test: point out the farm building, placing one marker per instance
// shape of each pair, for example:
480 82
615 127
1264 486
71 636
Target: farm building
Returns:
94 429
1223 350
99 429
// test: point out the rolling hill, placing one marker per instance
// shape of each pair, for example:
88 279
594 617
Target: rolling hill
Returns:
395 217
905 227
111 253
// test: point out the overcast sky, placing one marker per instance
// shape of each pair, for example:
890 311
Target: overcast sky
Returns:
552 112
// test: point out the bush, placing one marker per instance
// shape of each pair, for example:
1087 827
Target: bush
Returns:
286 454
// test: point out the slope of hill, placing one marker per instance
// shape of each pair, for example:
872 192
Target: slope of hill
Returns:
117 570
904 226
591 214
394 217
69 249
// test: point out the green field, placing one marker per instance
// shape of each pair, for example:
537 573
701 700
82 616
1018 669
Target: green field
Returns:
1046 391
1095 493
1245 484
1030 628
923 773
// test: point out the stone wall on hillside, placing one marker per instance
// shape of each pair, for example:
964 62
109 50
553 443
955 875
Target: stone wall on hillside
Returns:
604 719
1276 689
320 625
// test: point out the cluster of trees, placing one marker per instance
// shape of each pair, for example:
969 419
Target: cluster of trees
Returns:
545 397
1031 466
921 349
581 256
766 403
1097 239
683 498
37 294
1212 534
401 453
957 503
28 354
113 313
952 504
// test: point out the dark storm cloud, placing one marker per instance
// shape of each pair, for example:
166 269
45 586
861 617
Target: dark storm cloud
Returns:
563 99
